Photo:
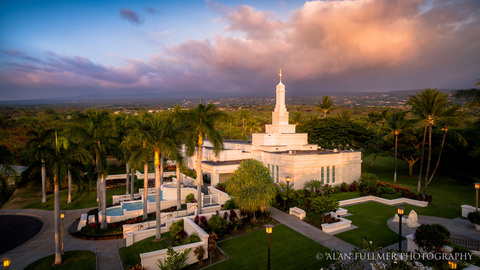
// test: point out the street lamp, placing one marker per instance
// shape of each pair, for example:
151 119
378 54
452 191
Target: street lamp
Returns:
477 187
6 263
400 211
288 191
452 264
269 229
62 217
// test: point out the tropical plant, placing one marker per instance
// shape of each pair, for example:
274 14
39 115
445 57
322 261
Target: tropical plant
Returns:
397 124
251 186
175 260
313 185
429 106
200 123
6 160
323 205
368 183
431 237
471 96
199 253
474 217
38 150
95 131
325 105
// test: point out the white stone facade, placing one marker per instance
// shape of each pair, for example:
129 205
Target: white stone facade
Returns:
284 152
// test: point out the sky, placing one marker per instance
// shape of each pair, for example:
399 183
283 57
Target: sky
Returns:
54 49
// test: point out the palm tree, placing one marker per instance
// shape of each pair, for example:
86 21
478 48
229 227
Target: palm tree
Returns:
245 116
344 116
123 153
252 127
164 145
453 116
471 96
95 131
200 123
326 105
297 117
38 149
139 138
396 124
429 106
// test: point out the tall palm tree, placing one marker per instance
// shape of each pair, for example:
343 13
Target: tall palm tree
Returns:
325 105
396 124
245 116
123 153
201 122
38 149
429 106
297 117
453 116
139 138
471 96
164 145
95 131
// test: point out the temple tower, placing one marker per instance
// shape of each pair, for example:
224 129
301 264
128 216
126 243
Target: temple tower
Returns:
280 113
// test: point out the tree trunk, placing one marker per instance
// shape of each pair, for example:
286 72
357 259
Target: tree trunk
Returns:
127 178
44 182
158 191
439 156
396 145
179 190
145 190
429 159
199 174
69 200
410 168
421 159
132 185
103 199
56 221
374 157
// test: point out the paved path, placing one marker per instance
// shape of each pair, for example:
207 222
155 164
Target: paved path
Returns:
311 232
42 244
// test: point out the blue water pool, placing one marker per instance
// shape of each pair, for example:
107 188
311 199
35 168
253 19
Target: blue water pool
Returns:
130 206
116 211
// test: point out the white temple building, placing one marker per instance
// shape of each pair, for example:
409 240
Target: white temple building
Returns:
284 152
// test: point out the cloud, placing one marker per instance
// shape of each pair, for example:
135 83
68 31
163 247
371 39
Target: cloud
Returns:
369 45
131 16
151 10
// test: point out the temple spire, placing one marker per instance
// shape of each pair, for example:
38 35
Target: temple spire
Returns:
280 74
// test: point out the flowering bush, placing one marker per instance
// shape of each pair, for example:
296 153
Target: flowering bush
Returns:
431 237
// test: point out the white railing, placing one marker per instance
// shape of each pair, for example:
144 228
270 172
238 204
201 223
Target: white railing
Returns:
211 199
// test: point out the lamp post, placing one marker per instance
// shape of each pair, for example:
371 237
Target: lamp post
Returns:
62 217
400 211
452 264
477 187
288 191
6 263
269 229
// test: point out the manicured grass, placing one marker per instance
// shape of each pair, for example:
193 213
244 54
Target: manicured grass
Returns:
131 255
448 193
72 260
79 200
371 220
289 250
345 195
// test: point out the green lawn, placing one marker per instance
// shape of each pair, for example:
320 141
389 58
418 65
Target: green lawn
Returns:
131 255
77 259
448 193
371 220
345 195
289 250
79 200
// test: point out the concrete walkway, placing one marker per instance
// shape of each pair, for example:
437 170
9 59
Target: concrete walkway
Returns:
42 244
311 232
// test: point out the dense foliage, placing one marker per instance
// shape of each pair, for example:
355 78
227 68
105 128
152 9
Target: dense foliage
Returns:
431 237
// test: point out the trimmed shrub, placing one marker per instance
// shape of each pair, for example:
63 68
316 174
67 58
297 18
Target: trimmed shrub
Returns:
230 204
431 237
190 198
176 228
217 225
474 217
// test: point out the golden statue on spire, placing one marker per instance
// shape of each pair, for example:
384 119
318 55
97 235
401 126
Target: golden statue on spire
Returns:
280 74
